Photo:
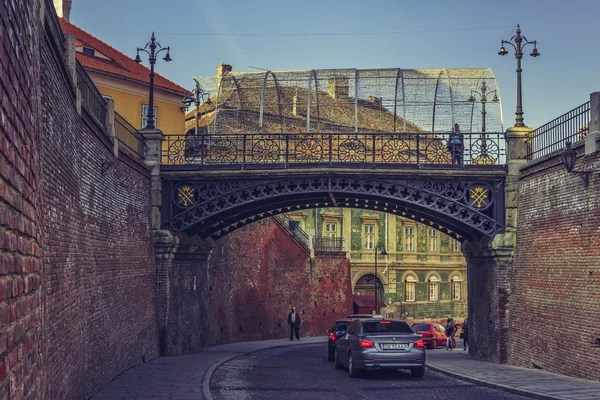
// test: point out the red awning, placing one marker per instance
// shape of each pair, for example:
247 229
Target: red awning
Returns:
367 301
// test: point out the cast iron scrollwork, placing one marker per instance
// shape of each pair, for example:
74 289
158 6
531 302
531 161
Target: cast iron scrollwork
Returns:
222 151
265 151
396 151
436 152
309 149
352 150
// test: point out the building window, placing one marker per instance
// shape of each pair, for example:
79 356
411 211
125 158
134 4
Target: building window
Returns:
409 238
456 284
331 229
410 288
145 115
369 236
87 51
432 242
455 246
434 289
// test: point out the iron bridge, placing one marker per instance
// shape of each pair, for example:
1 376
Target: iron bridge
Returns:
214 184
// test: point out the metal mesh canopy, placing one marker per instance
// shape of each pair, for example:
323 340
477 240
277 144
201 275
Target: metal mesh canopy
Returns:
351 100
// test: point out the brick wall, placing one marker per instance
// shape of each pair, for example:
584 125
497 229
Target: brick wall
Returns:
76 260
258 272
555 299
246 288
20 255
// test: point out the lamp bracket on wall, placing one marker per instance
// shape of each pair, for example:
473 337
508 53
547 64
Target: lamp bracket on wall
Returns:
105 166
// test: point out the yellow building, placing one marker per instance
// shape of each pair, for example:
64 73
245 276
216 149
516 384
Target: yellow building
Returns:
120 78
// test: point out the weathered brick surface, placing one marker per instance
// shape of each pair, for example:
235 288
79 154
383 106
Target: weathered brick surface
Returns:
258 272
555 299
20 255
245 290
77 303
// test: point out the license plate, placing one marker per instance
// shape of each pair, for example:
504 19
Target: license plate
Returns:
393 346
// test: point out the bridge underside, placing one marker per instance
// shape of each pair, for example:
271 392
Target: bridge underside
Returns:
465 209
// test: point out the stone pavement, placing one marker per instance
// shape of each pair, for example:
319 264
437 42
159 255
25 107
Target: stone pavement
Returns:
188 376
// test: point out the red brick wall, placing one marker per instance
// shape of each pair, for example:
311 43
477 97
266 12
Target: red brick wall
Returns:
258 272
20 255
555 299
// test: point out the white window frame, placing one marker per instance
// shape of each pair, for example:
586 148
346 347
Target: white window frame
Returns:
410 288
432 243
409 238
455 246
332 233
145 108
456 287
434 289
369 236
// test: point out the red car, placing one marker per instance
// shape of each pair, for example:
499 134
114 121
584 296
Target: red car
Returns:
433 334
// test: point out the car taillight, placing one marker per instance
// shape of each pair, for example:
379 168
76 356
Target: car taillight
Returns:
332 336
366 344
419 345
384 322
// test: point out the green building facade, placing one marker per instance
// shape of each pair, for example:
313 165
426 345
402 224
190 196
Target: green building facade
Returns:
421 272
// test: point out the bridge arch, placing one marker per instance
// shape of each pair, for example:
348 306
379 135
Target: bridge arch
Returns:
463 209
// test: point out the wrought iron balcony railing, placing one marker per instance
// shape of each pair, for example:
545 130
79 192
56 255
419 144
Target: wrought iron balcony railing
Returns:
329 244
292 150
569 127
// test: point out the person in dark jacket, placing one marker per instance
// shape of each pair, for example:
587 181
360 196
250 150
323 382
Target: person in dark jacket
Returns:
294 323
465 333
456 145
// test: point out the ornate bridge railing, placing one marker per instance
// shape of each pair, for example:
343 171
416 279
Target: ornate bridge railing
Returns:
374 150
130 140
550 137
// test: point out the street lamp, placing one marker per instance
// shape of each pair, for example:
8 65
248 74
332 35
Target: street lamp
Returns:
196 96
383 253
483 94
569 156
519 44
152 45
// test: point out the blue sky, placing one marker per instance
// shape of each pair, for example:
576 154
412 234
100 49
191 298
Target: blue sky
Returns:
376 34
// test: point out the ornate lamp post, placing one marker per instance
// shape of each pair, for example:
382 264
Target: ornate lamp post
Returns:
484 158
519 44
196 96
153 45
383 253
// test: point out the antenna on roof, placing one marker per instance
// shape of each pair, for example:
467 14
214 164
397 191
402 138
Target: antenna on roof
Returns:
262 69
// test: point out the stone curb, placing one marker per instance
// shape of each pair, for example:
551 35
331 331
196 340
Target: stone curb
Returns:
205 385
505 388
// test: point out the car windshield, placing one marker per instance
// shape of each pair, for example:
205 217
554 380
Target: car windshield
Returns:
340 327
386 327
421 327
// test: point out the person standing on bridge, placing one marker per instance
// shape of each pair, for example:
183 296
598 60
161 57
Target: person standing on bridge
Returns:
455 145
465 333
294 323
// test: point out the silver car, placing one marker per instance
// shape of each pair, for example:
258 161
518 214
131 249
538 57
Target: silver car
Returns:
372 344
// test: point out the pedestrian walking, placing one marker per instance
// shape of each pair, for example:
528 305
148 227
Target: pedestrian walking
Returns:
450 329
465 333
294 323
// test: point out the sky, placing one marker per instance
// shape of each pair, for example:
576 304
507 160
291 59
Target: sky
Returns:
329 34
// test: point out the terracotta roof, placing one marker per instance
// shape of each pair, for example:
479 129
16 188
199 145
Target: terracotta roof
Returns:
119 65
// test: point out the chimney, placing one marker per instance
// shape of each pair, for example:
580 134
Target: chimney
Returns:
63 8
222 69
338 87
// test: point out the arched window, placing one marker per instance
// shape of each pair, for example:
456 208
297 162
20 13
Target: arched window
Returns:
410 288
434 288
456 285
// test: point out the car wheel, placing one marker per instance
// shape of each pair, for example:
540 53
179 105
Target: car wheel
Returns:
418 372
354 373
330 354
336 360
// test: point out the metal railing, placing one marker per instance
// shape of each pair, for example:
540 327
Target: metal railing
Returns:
294 229
296 150
329 244
554 135
91 98
130 140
